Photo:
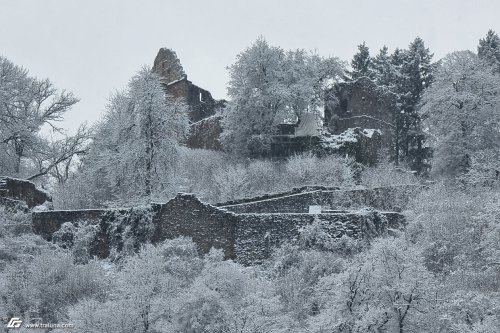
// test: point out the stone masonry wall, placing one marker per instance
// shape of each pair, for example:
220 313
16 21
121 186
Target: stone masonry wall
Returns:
205 134
257 234
45 223
246 238
391 198
207 225
200 101
122 229
362 104
22 190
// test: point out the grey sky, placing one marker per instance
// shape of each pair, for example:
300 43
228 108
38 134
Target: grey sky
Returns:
92 47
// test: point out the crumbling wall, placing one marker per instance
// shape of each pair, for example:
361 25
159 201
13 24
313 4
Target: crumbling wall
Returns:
45 223
117 229
174 80
257 234
200 101
389 198
245 237
22 190
365 105
205 134
187 216
127 229
168 66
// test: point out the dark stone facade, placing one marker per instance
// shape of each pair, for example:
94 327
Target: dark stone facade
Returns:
364 105
207 225
245 230
174 80
205 134
168 66
200 101
16 191
257 234
46 223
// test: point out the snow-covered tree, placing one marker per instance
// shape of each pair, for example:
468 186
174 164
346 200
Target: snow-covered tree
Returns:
417 74
268 86
403 76
489 49
135 147
27 105
385 289
361 64
384 72
461 116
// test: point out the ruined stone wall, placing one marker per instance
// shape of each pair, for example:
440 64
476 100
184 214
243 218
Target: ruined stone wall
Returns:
257 234
22 190
168 66
245 237
200 101
207 225
127 229
362 104
205 134
391 198
46 223
174 80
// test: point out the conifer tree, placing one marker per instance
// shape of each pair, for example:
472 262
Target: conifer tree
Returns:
383 69
360 64
489 49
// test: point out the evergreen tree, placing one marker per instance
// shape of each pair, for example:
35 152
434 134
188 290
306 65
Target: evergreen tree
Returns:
383 70
418 68
397 59
360 64
416 75
489 49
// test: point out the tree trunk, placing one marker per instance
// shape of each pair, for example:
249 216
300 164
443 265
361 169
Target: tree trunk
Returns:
397 144
19 147
149 155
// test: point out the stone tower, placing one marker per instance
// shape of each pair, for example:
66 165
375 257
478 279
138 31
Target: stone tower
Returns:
168 66
174 80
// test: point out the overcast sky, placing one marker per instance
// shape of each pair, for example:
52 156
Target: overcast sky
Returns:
92 47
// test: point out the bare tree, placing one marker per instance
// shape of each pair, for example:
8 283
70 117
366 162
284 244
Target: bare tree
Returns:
57 157
26 105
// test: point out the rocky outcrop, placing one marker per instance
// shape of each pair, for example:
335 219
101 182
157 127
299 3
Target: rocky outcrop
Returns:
17 191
